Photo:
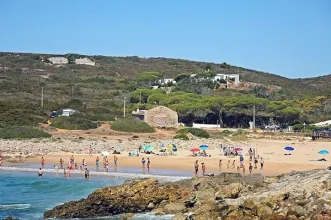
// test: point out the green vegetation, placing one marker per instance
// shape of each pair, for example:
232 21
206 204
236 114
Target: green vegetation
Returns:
181 136
74 122
97 92
195 131
131 125
22 133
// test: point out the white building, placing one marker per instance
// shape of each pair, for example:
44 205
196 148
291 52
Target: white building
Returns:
85 61
227 77
58 60
166 81
323 123
68 112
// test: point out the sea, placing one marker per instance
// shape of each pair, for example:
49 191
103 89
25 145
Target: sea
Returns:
26 196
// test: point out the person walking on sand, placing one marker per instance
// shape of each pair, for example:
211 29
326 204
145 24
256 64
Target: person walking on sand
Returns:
250 167
115 161
148 163
203 167
228 164
143 162
90 151
262 163
255 162
42 162
220 164
196 167
40 172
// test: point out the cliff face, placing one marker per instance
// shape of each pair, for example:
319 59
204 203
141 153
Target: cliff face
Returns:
299 195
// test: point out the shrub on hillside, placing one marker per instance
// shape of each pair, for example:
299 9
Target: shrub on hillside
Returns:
195 131
22 133
130 125
181 136
74 122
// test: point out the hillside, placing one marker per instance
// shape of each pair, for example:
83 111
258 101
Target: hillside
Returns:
128 67
97 92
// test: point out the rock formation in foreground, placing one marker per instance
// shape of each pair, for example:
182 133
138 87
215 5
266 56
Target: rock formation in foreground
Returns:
298 195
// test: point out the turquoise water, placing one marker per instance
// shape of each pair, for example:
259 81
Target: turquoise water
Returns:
26 196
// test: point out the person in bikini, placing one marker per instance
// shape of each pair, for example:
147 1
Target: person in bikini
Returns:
196 167
42 162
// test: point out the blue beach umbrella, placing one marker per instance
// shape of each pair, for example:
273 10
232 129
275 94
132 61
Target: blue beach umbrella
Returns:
288 148
149 147
204 147
323 152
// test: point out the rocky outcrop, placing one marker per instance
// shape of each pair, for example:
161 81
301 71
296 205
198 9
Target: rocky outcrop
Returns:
298 195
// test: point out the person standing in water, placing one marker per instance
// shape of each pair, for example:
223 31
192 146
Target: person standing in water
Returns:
196 167
97 162
148 163
42 162
115 161
87 174
40 172
61 163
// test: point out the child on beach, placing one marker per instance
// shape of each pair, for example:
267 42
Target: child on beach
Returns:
233 164
250 167
42 162
228 164
203 167
148 163
220 164
143 162
97 162
90 151
255 163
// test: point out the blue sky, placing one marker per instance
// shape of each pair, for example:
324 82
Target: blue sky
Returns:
291 38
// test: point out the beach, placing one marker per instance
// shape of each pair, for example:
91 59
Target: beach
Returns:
303 157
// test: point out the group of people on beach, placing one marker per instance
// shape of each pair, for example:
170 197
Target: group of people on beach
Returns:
252 158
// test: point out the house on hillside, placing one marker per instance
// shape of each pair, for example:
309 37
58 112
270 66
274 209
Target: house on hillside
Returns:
58 60
166 81
233 77
68 112
85 61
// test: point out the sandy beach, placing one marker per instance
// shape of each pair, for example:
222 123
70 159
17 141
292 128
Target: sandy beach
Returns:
304 156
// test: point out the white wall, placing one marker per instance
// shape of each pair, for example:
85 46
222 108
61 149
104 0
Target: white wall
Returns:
205 125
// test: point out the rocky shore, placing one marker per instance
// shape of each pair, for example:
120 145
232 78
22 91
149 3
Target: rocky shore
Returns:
298 195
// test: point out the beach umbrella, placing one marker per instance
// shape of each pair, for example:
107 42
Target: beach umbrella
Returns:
204 147
238 149
104 153
195 150
323 152
289 148
149 147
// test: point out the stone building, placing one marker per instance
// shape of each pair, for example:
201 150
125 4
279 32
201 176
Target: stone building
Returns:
84 61
58 60
159 117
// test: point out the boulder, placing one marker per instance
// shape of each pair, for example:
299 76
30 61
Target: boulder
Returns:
230 191
263 211
174 208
